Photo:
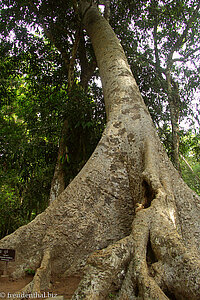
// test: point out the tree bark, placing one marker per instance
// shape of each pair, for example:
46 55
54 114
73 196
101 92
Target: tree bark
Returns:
58 181
127 218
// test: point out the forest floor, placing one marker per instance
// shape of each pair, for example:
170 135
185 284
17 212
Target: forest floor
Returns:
60 286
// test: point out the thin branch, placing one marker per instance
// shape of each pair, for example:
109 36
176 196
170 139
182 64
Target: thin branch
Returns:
73 58
183 59
87 69
188 165
155 35
182 38
156 43
75 6
107 10
49 34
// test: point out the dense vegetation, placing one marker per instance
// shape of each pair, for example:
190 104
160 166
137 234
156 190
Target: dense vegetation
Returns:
45 55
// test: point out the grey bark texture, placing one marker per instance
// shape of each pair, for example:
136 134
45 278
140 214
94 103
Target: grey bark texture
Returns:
127 220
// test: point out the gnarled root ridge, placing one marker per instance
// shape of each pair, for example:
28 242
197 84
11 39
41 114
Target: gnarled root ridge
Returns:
105 270
154 261
151 253
41 280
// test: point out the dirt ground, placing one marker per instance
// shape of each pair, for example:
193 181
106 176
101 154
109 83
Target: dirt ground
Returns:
59 286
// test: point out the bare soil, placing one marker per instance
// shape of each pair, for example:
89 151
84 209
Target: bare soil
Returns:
59 286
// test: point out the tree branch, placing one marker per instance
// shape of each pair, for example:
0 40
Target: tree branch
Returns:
182 38
87 69
49 34
72 60
107 10
190 168
183 59
155 37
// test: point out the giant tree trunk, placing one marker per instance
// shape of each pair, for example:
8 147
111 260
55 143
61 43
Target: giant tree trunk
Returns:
128 214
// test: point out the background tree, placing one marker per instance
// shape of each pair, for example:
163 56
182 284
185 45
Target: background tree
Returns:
42 103
34 105
190 147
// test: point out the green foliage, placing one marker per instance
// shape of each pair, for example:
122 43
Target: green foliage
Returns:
32 113
190 160
29 134
192 178
30 272
25 175
190 144
149 32
111 296
11 216
86 121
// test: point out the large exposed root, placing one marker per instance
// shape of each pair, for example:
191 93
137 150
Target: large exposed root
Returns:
154 261
41 280
105 270
169 267
180 264
142 283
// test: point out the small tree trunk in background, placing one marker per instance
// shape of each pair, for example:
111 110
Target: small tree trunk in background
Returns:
58 181
174 102
87 70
